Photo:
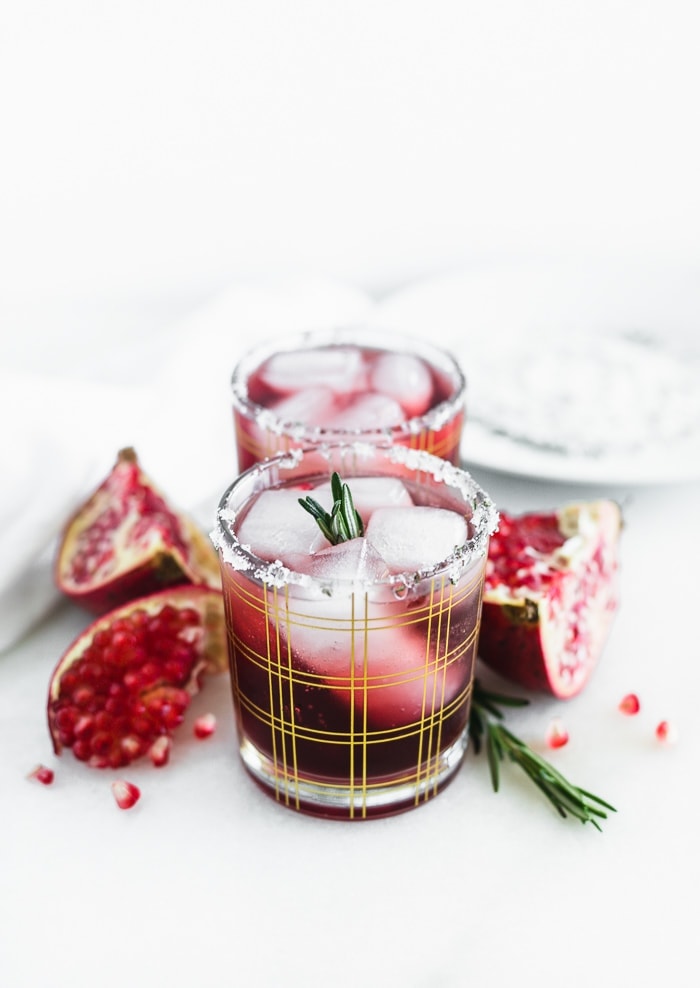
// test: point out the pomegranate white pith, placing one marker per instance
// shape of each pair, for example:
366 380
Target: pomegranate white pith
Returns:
551 594
126 541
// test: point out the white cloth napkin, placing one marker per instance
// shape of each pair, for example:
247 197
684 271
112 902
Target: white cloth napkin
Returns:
59 436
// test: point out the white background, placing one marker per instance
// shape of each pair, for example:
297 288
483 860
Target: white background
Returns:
153 151
152 154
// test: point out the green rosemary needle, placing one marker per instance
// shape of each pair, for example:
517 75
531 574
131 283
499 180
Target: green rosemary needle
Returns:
485 727
343 523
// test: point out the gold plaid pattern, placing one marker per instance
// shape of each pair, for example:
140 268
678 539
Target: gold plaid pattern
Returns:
326 730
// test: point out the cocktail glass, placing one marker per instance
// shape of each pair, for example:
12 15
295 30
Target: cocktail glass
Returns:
352 666
338 385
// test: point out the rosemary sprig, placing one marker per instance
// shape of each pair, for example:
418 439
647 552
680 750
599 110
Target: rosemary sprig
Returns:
344 522
485 726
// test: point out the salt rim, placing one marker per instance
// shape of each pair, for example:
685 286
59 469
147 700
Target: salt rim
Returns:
484 521
433 419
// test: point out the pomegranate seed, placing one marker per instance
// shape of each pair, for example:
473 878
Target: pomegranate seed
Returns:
83 696
101 639
189 615
557 735
101 742
81 750
629 704
666 732
205 726
40 773
66 719
150 672
125 793
131 746
134 680
84 726
159 752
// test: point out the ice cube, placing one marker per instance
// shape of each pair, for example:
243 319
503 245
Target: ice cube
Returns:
368 411
377 656
340 368
370 493
355 560
312 406
276 526
411 539
404 378
406 682
326 629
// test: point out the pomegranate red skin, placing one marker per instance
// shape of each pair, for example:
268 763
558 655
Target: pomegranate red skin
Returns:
177 552
516 638
208 655
510 644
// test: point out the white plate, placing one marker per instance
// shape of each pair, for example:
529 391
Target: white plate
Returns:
598 344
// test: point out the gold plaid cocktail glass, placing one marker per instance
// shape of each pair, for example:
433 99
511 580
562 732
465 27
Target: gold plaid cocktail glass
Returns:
352 694
264 428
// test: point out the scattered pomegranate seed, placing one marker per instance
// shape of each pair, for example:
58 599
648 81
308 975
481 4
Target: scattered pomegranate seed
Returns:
630 704
40 773
666 733
205 726
557 735
125 793
159 752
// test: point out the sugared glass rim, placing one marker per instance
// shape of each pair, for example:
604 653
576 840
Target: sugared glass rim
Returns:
483 518
364 336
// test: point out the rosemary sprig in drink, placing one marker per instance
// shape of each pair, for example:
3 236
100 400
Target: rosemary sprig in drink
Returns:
484 725
343 523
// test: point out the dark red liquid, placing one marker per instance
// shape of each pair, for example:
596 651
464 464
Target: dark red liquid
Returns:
332 730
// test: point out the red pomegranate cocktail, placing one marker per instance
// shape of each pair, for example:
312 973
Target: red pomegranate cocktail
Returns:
352 658
347 385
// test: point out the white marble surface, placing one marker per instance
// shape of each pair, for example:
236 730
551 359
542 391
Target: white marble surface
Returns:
206 881
151 154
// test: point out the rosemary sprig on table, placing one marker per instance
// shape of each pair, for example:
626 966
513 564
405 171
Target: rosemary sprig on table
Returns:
485 727
343 523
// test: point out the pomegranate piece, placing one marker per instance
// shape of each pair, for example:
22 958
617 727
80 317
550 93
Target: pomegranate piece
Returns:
205 726
40 773
557 734
126 541
127 680
550 595
666 733
125 793
159 752
630 704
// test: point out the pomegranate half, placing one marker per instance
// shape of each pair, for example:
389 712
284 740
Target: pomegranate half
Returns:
126 541
127 680
550 595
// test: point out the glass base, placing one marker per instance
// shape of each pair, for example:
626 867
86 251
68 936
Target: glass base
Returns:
361 800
